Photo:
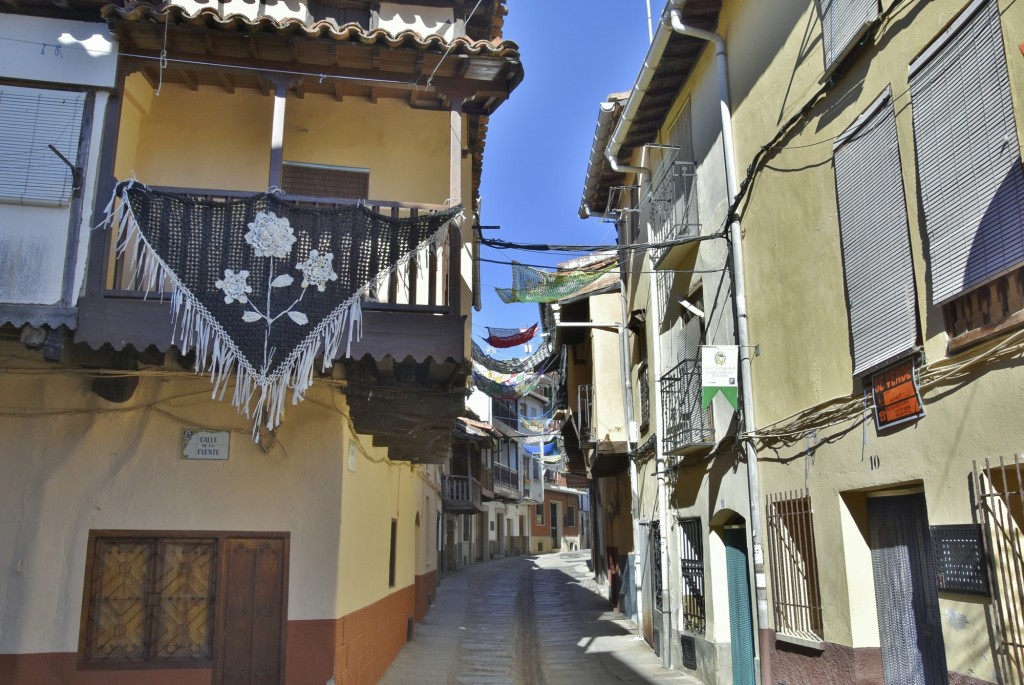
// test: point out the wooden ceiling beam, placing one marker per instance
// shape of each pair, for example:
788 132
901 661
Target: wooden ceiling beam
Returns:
226 82
189 79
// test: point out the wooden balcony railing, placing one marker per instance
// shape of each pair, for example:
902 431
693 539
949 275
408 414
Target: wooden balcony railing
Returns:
117 308
461 494
506 477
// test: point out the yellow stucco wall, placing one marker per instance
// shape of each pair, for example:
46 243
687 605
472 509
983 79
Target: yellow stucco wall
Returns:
73 462
213 139
799 318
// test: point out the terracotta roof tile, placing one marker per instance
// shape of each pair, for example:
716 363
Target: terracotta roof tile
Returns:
326 28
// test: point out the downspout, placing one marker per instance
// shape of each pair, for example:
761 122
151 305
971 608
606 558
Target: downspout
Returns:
743 339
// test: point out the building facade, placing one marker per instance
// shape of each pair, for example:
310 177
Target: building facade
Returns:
836 190
157 533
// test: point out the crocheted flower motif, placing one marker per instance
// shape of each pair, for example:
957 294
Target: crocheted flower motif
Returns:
270 235
234 286
317 270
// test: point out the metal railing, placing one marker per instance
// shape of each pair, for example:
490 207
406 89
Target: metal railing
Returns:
793 565
999 490
418 283
585 423
685 423
671 204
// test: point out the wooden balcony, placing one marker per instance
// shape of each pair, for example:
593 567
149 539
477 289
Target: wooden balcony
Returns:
461 494
506 483
411 353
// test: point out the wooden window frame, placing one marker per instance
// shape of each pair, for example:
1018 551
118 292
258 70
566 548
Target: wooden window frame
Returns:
570 516
220 538
539 514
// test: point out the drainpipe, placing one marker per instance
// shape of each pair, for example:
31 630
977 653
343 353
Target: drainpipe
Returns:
743 338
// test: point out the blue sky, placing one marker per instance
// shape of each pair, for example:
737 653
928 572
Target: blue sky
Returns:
575 52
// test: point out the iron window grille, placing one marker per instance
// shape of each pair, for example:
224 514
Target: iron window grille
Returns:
643 385
691 560
585 413
659 603
796 597
999 493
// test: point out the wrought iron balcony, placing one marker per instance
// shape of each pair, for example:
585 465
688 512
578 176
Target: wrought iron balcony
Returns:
671 205
461 494
685 426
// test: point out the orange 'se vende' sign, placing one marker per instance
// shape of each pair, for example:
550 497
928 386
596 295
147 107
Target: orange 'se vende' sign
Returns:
895 393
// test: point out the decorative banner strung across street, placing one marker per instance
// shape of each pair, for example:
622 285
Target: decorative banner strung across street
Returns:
509 337
503 386
533 285
543 354
897 399
719 367
262 286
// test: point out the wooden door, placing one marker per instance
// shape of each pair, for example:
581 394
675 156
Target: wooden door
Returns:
254 582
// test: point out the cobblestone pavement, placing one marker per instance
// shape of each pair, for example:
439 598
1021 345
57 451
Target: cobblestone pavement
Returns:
527 621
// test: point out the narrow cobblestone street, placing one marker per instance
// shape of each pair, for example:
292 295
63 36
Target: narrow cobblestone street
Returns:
526 621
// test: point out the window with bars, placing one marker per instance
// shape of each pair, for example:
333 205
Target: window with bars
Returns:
793 566
149 601
691 560
843 22
644 387
875 238
971 180
318 180
34 119
570 517
540 512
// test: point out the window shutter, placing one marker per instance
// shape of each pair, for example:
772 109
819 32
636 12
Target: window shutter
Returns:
875 239
842 22
33 118
968 155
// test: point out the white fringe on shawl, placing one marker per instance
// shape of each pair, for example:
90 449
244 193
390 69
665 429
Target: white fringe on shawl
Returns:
195 328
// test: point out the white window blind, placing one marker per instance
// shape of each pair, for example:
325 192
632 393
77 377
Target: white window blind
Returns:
34 118
968 155
875 239
843 22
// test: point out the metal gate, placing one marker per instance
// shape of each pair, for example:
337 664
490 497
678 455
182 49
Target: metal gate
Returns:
999 494
909 623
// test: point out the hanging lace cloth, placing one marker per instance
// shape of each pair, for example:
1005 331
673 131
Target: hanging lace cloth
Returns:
533 285
261 287
541 356
509 337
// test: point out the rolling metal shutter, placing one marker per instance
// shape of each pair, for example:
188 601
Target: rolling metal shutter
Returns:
843 22
968 154
877 262
30 173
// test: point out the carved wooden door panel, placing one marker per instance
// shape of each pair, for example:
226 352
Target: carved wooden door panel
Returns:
254 588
